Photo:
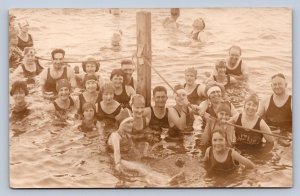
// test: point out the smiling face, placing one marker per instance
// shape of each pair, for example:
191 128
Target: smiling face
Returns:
91 85
234 55
29 58
218 142
24 28
160 99
127 126
250 108
138 108
107 96
58 61
221 70
278 85
223 116
88 114
64 93
19 96
90 68
215 96
117 80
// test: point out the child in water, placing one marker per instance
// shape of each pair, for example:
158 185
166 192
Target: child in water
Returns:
89 125
220 158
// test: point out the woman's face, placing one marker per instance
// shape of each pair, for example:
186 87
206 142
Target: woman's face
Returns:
138 108
64 93
108 96
117 80
88 114
223 116
90 68
19 96
91 85
250 108
215 96
24 28
29 58
218 142
221 70
190 78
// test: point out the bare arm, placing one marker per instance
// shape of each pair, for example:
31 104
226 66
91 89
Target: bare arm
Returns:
233 110
265 128
129 90
243 160
72 79
205 138
262 107
115 142
206 156
179 122
43 78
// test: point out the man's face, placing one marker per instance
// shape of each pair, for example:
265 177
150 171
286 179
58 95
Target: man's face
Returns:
128 70
278 85
234 55
58 60
160 98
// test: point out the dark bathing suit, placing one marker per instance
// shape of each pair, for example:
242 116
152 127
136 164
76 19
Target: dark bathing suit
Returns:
280 116
22 44
237 71
193 97
228 80
156 124
50 84
123 98
248 137
216 166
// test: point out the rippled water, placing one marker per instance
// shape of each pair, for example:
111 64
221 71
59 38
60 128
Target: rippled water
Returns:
43 155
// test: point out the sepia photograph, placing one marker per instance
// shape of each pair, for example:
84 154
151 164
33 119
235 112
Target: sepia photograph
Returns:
150 98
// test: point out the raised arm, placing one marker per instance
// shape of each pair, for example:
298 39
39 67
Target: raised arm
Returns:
179 122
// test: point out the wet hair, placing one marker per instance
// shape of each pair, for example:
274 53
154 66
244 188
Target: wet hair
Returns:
191 70
280 75
59 50
126 62
63 83
88 105
221 132
159 88
90 60
220 63
19 85
237 47
175 11
118 72
137 97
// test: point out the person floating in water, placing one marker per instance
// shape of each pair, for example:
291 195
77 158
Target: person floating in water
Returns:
115 42
221 158
20 108
170 22
197 33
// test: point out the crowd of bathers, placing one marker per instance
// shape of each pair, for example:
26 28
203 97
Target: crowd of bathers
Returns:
130 125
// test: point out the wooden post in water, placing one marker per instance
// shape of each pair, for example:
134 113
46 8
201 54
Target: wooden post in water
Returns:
144 55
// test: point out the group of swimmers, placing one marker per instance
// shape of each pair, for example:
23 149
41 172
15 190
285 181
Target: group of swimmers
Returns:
130 125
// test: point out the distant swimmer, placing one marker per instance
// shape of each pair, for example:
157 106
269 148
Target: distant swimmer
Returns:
114 11
24 38
198 33
115 42
276 109
170 22
58 70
